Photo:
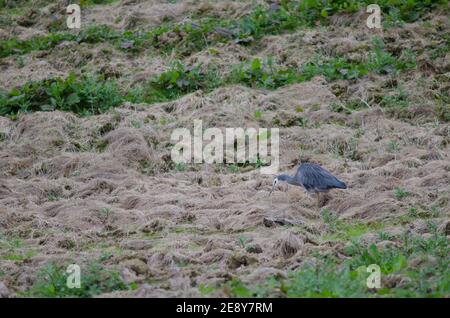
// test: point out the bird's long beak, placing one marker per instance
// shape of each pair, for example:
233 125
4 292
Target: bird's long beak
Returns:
273 187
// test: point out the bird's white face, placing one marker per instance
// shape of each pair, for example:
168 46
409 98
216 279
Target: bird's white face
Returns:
274 184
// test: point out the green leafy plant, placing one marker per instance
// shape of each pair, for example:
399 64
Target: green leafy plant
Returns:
95 279
52 197
258 114
105 213
88 95
233 168
400 193
329 218
179 80
393 146
259 74
94 94
243 241
180 167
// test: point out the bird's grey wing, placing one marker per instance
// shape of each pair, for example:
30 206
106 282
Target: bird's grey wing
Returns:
314 177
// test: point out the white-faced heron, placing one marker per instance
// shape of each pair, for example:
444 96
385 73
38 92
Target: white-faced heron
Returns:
313 178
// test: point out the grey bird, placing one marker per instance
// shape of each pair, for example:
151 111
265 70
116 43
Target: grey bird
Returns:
313 178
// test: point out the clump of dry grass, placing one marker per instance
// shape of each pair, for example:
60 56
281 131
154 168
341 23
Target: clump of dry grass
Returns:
288 244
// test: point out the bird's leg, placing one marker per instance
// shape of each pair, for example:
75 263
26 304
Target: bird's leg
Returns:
318 200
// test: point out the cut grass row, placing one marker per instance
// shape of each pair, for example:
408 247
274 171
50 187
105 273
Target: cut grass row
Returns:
187 38
95 94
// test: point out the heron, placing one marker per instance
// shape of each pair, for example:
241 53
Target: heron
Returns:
313 178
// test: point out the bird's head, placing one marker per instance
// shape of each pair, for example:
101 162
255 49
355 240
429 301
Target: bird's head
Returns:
277 180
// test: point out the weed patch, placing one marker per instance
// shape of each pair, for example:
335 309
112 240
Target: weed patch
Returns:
87 95
331 278
95 280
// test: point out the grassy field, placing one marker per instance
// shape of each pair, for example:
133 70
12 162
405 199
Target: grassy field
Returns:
86 118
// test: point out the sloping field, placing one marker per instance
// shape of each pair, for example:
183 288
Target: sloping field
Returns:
86 175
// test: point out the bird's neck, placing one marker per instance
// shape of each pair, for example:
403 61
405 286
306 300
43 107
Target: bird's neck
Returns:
290 180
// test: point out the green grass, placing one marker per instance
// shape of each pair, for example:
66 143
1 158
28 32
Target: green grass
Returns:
340 230
333 277
420 212
397 99
400 193
348 107
14 46
180 167
177 81
393 146
240 166
442 49
407 11
91 34
53 197
95 279
12 249
266 75
243 241
18 256
91 94
11 243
